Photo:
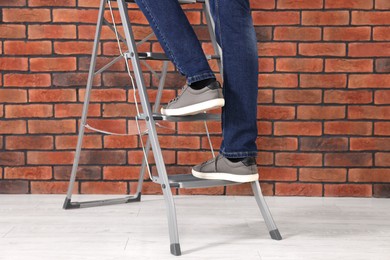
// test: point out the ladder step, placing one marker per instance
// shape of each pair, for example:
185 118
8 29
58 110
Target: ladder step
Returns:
162 56
180 1
189 181
193 118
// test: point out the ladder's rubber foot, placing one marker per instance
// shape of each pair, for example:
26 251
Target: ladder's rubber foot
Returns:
138 198
275 234
69 205
175 249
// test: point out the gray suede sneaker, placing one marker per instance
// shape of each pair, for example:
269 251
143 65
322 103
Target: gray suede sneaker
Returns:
191 101
220 168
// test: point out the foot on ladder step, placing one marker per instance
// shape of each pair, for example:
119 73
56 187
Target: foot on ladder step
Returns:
221 168
192 101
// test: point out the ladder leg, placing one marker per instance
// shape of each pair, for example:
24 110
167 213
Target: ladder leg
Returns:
155 110
171 211
273 230
86 104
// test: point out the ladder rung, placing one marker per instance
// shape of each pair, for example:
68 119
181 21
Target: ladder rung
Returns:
190 118
190 181
162 56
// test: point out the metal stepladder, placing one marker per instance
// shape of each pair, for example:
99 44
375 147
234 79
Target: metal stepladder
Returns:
150 117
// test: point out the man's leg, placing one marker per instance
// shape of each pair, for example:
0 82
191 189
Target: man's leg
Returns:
237 38
180 43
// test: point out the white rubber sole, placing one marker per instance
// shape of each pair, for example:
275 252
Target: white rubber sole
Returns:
194 109
225 176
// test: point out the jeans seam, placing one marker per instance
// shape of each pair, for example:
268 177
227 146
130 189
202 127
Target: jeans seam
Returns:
162 37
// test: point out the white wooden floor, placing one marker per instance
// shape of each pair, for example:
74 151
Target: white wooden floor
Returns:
35 227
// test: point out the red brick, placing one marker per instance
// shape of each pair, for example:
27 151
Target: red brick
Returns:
382 159
276 18
13 3
381 191
29 142
84 63
298 128
321 112
348 159
110 125
278 80
299 65
52 187
10 63
104 187
17 111
13 187
215 141
122 173
51 31
265 96
381 33
323 81
325 18
51 126
27 80
368 112
348 97
277 143
299 4
77 47
197 127
265 158
75 110
297 33
52 95
14 31
202 191
192 158
136 157
349 65
322 49
322 175
53 64
27 48
129 141
49 158
369 81
70 142
74 16
87 32
367 143
382 65
265 4
119 110
104 95
382 4
323 144
277 174
298 189
11 158
277 49
349 128
298 96
28 173
348 190
382 128
246 189
26 15
275 112
347 33
349 4
83 172
382 97
298 159
52 2
369 175
370 18
12 127
179 142
13 95
369 49
74 79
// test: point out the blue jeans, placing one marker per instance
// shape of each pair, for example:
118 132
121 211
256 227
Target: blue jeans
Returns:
236 35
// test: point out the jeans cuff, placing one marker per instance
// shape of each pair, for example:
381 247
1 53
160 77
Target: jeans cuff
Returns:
239 154
199 77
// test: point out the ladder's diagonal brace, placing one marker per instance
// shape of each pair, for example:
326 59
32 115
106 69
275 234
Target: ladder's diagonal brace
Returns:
145 39
109 64
113 29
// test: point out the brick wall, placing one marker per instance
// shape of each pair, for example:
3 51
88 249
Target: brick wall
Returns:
324 100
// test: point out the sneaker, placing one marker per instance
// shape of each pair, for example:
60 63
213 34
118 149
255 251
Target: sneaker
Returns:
221 168
191 101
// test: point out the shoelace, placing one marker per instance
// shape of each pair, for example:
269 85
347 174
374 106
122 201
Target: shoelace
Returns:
176 98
